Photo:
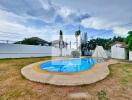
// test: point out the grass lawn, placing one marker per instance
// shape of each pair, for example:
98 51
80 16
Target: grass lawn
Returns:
117 86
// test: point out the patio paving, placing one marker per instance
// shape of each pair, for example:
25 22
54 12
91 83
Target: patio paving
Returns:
96 73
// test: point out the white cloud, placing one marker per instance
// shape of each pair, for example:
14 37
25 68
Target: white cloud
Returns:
105 14
16 31
98 24
13 27
42 9
64 12
45 4
120 30
95 23
14 16
9 16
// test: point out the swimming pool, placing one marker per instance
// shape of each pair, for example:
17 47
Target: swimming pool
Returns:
68 65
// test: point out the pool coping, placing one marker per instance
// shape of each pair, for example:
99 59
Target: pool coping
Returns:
98 72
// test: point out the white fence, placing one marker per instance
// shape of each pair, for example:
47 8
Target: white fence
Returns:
19 51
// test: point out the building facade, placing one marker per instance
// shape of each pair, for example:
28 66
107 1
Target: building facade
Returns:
118 50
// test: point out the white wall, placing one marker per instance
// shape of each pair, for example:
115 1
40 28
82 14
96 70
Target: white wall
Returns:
19 51
130 55
118 52
108 53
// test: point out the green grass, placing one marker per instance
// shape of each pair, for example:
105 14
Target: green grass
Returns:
126 76
117 86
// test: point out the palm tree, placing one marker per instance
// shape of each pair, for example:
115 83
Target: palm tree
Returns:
61 42
77 34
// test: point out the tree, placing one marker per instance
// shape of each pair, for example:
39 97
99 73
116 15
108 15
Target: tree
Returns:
120 39
33 41
77 34
106 43
129 40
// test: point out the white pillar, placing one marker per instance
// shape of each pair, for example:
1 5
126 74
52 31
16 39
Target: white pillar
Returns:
130 55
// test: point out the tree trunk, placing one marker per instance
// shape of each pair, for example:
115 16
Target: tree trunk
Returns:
77 42
61 46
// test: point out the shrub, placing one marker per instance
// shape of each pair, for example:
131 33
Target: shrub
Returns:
102 95
75 54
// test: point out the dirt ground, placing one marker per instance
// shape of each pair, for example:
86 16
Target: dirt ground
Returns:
117 86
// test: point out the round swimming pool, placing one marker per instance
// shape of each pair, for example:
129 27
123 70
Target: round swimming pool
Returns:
68 65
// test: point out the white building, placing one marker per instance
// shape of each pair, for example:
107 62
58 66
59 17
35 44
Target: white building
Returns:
118 50
56 44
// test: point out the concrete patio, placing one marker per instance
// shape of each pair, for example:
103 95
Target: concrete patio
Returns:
96 73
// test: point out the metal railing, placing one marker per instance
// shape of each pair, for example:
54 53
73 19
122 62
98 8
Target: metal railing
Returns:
7 41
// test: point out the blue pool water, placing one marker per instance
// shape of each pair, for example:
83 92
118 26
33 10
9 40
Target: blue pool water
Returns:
68 65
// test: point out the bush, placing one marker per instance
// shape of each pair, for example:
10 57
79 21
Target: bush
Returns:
75 54
102 95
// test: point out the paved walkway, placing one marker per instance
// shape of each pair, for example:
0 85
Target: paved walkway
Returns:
97 72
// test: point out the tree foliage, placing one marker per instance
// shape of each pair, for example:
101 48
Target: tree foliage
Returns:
129 40
33 41
61 33
77 33
106 43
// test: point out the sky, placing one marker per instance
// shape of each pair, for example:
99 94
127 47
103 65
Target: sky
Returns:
21 19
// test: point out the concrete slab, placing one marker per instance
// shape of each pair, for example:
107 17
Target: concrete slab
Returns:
96 73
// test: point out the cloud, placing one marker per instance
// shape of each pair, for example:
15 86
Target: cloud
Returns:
32 8
10 30
64 12
95 23
26 18
42 9
71 16
46 4
121 30
11 17
99 24
105 14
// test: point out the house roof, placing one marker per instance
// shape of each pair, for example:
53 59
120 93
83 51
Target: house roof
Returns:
57 42
123 44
